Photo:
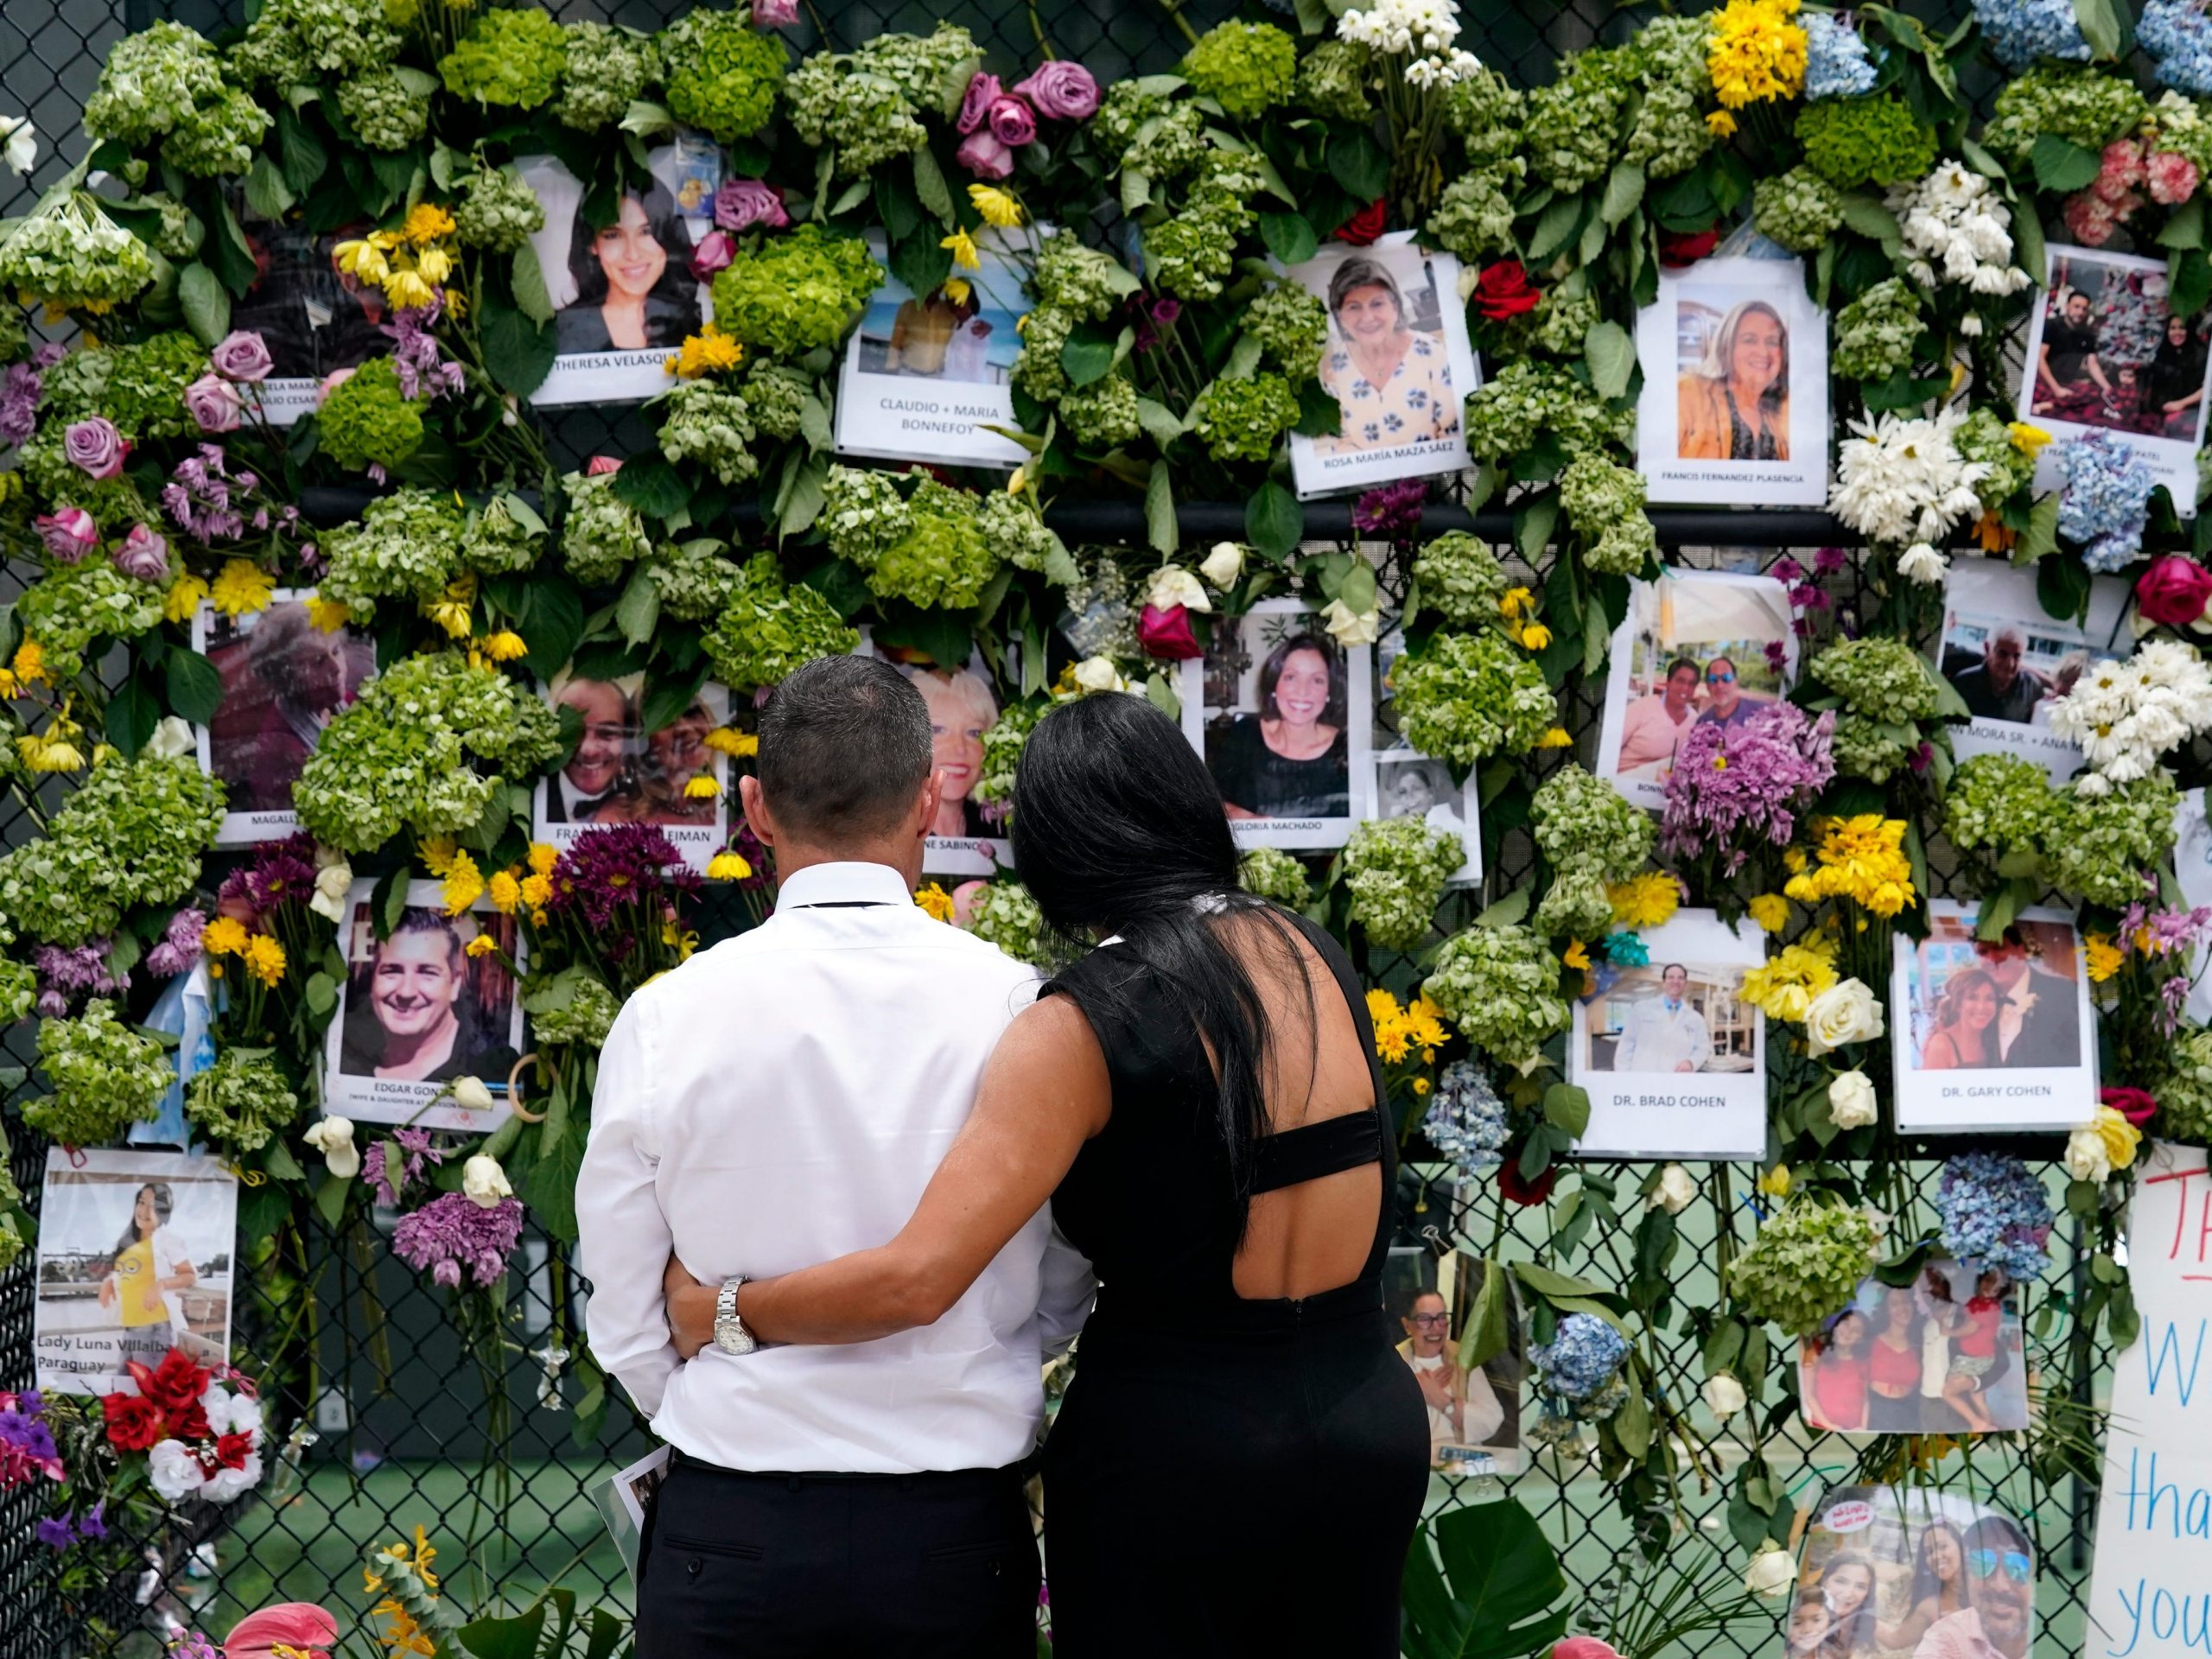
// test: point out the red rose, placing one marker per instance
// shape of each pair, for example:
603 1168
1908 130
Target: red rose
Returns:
1166 635
189 1423
1510 1184
1680 248
232 1450
174 1385
1363 226
2173 591
2136 1105
134 1422
1503 290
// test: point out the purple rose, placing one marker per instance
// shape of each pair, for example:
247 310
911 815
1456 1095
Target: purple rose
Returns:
95 447
984 90
743 203
713 253
213 402
1012 122
241 356
69 534
1061 91
981 154
143 554
774 14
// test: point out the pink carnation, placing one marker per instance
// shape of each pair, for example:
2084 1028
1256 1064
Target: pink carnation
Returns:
2089 218
2173 178
2121 169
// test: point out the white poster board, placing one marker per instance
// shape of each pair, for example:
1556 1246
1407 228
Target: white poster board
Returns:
2012 661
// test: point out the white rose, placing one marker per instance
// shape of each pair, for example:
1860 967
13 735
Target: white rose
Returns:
1844 1012
1677 1186
226 1485
172 738
1923 563
174 1471
1099 674
1224 564
333 1138
471 1095
484 1183
1171 585
1851 1100
2088 1158
22 152
331 883
1771 1572
1725 1395
1349 627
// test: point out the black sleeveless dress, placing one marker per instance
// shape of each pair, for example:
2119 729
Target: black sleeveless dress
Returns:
1226 1476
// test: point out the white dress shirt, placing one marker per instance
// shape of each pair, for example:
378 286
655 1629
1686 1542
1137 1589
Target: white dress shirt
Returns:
1658 1038
783 1098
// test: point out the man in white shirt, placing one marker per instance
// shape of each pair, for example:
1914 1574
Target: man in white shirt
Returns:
1664 1033
778 1100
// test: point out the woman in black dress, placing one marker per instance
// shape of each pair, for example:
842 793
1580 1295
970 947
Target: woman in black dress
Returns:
2173 384
1289 760
1241 1462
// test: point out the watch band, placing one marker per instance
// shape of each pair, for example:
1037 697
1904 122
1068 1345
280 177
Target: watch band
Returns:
730 1334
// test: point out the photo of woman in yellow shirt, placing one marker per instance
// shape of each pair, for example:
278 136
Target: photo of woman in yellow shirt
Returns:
151 1261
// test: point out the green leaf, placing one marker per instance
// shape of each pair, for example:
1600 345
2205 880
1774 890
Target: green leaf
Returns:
321 992
504 1638
1555 228
330 1199
1497 1595
1136 191
195 688
1534 521
1289 236
2102 25
1273 521
551 623
1159 509
206 308
1161 423
2040 538
1866 215
1611 353
1568 1107
1632 1422
132 713
1507 912
304 156
1623 191
2186 228
1159 692
550 1189
2063 586
528 279
1320 414
2063 165
518 351
1088 355
929 187
639 609
667 696
1359 163
651 483
266 192
1488 1334
643 119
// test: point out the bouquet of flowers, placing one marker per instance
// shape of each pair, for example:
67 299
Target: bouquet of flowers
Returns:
200 1429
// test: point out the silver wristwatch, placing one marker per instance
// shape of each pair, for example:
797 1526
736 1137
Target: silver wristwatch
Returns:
730 1334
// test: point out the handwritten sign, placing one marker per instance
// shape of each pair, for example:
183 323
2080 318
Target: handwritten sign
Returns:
2151 1595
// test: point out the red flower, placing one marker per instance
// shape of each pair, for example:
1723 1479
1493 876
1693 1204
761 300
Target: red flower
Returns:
2173 591
176 1385
1166 635
1363 226
2136 1105
1510 1184
134 1422
1680 248
189 1424
600 464
1503 290
232 1450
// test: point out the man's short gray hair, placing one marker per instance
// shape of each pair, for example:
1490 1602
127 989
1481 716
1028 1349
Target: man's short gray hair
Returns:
844 749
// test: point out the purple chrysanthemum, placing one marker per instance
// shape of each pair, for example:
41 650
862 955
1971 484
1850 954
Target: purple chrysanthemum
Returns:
606 870
453 1233
1746 783
179 950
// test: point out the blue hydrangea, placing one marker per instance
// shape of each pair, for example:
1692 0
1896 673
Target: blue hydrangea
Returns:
2179 35
1467 1120
2021 31
1836 64
1582 1356
1995 1213
2105 501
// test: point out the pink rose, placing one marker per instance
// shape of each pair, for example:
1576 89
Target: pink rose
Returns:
1168 634
774 14
743 203
213 402
143 554
981 154
1061 91
975 103
95 447
69 534
1012 122
241 356
2173 592
715 251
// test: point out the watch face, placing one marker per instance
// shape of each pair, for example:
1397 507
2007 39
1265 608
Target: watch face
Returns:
733 1338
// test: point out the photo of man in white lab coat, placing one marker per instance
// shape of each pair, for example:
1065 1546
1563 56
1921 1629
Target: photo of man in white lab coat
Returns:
1666 1032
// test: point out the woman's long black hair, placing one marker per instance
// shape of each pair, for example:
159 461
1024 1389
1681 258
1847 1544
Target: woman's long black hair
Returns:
1118 829
676 287
164 1206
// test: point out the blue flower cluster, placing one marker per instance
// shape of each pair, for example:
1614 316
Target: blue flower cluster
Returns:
1467 1121
2021 31
1836 64
1626 950
1995 1213
2106 499
2179 35
1582 1358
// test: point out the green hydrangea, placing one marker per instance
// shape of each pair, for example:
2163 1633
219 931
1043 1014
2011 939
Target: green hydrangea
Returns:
1273 874
931 70
383 113
1192 254
216 140
2089 107
604 70
1499 987
1875 333
1292 327
1333 82
300 40
1603 500
1667 136
181 232
722 74
1038 371
367 422
1881 678
1489 114
70 254
1460 576
1985 437
600 532
1590 835
696 582
1995 803
152 83
1526 398
1017 535
927 547
500 538
404 545
775 397
711 428
1102 415
1002 746
508 58
44 464
1799 209
583 1019
1562 321
1474 216
1574 124
1247 68
1082 281
1004 915
18 995
131 834
140 388
1396 869
403 755
2183 1089
1467 696
1244 419
797 293
1806 1263
241 1101
1854 141
12 1218
769 629
868 105
72 605
2101 849
1143 131
1869 748
497 212
2177 125
105 1076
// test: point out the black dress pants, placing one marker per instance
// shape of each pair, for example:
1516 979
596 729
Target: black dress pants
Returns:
806 1567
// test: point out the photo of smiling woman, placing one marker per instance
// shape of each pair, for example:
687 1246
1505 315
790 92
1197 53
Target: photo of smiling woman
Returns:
1734 403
